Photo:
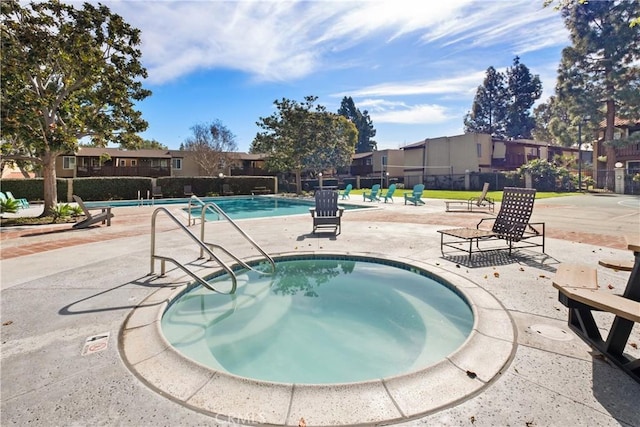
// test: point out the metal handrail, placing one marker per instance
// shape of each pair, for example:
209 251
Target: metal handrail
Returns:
202 203
203 247
220 212
213 207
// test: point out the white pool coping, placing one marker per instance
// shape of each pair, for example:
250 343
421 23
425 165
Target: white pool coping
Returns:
487 351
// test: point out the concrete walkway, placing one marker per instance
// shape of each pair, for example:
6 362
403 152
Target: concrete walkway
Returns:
61 287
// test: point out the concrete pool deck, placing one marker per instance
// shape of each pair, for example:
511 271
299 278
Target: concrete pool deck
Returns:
63 287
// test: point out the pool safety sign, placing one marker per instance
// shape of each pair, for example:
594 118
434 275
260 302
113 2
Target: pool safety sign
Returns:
95 344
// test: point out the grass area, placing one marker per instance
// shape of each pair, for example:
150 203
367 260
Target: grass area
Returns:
461 195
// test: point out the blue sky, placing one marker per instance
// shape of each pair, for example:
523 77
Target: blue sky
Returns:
415 66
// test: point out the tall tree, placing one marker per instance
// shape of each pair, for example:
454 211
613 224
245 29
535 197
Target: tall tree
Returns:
304 137
212 145
553 124
363 123
67 74
523 89
598 74
488 110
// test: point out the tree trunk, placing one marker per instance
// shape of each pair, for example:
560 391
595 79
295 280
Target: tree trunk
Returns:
298 182
50 183
610 150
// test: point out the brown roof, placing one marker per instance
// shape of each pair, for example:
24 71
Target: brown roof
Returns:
620 123
116 152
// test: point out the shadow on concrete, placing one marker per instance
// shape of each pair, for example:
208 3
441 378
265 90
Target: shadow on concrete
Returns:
144 282
317 235
496 258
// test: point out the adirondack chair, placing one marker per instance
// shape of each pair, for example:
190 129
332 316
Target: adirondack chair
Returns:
24 204
373 194
481 202
345 193
326 213
389 194
104 216
415 196
188 192
511 225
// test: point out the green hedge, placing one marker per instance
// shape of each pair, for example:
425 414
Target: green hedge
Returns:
207 185
130 188
111 188
32 189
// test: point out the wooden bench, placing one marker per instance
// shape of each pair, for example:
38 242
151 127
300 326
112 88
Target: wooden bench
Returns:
260 190
577 287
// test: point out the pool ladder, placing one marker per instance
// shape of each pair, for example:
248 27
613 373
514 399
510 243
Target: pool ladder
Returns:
204 246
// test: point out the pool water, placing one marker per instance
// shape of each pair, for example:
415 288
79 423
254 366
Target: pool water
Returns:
319 320
239 207
260 207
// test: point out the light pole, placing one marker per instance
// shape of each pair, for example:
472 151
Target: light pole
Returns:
582 120
320 179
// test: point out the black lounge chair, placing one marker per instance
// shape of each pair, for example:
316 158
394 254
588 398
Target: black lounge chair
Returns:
511 225
326 213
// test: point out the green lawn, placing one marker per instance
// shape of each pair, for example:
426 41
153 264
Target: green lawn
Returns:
459 195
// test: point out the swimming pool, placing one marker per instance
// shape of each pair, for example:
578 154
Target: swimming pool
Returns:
321 320
237 207
231 398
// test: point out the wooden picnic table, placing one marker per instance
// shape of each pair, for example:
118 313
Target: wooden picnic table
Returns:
622 264
578 290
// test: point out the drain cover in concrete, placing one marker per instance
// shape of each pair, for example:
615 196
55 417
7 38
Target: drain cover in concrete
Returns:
95 344
552 332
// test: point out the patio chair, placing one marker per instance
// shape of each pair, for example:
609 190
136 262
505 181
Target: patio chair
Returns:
326 213
226 190
481 202
188 192
511 225
104 216
24 204
415 196
389 194
373 194
156 192
345 193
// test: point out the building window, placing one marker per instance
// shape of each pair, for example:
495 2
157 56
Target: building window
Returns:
479 149
384 161
133 162
161 163
68 162
633 167
176 163
123 163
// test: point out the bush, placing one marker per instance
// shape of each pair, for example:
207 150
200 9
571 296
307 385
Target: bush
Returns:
546 176
9 206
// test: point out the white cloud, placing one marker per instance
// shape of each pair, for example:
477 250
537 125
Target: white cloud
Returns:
403 113
416 114
283 40
460 85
